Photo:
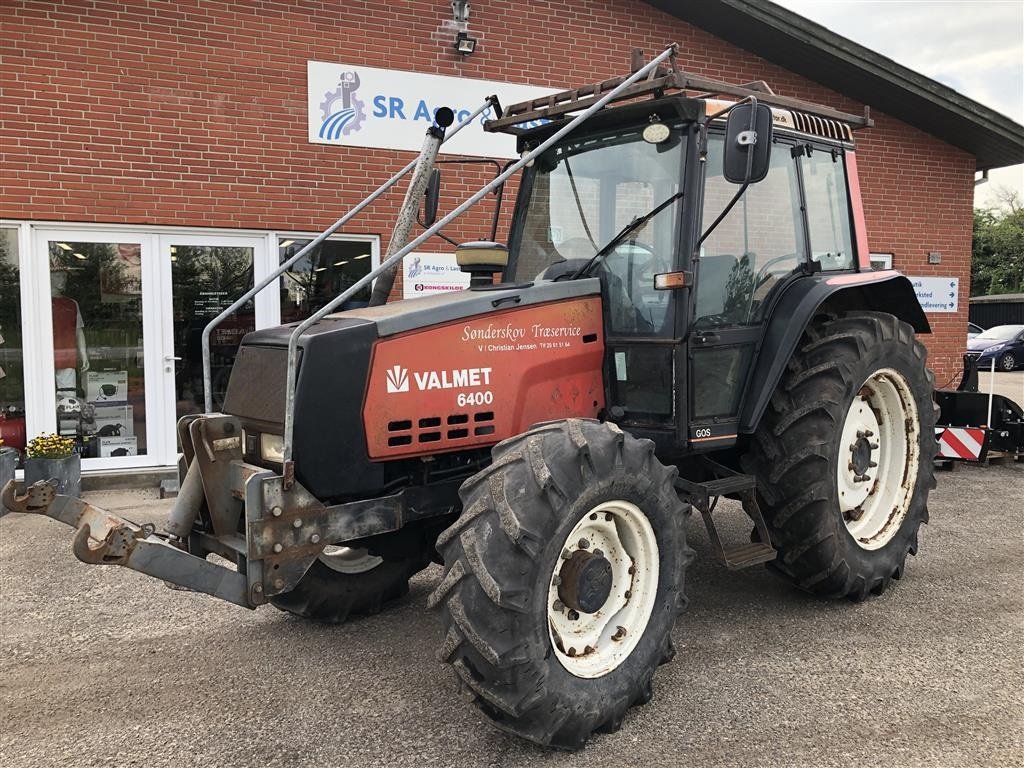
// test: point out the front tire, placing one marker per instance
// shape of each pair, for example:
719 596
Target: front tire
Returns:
563 579
1008 362
844 456
344 582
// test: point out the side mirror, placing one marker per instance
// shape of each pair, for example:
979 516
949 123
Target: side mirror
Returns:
432 197
748 143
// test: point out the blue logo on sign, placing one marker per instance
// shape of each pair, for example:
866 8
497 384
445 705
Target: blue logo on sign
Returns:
341 110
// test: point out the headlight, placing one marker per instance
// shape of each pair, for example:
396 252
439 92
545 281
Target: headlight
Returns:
993 348
272 447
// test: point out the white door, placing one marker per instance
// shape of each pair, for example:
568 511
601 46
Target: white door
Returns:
92 370
202 275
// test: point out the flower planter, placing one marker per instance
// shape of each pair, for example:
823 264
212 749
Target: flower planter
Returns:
8 463
68 472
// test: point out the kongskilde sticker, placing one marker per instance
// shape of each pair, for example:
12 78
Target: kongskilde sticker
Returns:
477 381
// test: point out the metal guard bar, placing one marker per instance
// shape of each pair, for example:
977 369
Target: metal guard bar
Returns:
293 341
491 101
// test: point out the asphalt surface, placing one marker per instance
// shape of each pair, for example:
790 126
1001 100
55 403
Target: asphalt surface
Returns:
102 666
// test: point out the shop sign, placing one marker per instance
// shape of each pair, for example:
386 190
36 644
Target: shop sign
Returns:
427 273
936 294
359 106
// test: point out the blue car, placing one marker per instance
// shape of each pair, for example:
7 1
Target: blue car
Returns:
1003 343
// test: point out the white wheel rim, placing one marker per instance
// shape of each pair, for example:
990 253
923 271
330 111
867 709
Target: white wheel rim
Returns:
349 560
879 453
593 644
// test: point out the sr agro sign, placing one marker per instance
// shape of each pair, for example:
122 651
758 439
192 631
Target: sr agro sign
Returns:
360 106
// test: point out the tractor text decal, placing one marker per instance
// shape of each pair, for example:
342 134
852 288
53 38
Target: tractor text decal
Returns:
398 379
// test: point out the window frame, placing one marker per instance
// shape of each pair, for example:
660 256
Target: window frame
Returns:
817 145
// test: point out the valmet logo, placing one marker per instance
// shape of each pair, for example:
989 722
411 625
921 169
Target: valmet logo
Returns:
397 379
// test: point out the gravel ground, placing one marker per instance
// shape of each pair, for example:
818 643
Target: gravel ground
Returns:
102 666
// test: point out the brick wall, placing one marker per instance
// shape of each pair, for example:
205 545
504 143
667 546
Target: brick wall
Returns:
194 114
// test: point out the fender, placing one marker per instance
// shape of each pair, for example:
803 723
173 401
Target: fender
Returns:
883 291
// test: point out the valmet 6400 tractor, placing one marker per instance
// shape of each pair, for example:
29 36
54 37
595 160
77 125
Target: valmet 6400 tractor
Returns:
684 311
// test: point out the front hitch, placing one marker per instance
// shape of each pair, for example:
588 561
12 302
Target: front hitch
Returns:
102 538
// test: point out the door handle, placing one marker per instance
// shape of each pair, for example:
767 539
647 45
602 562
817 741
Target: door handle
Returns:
706 338
170 358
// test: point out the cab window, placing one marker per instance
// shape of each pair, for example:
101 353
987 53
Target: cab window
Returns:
758 244
828 210
581 193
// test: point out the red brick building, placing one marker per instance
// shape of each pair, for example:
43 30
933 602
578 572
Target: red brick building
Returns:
155 154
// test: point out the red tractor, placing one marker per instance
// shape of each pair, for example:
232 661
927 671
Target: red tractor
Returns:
684 311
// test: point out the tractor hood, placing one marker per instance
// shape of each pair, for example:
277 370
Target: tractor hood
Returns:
411 314
330 444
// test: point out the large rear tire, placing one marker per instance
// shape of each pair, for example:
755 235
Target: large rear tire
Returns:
844 456
563 579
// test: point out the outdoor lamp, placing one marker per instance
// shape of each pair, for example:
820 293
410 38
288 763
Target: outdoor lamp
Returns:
465 44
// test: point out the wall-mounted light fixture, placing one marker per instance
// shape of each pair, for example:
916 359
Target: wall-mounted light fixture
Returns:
464 44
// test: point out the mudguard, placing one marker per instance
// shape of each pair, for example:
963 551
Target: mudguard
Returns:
882 291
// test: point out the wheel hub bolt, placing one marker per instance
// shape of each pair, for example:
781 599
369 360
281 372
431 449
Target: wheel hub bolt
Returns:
297 524
566 554
584 544
278 547
853 515
558 606
572 615
620 632
599 553
556 581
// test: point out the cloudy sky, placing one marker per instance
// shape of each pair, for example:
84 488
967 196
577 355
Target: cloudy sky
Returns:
973 46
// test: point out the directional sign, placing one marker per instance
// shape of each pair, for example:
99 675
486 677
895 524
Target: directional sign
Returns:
937 294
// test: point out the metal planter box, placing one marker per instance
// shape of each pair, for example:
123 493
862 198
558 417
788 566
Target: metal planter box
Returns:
8 463
68 472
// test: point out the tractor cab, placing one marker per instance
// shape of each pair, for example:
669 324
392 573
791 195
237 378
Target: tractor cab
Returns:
693 247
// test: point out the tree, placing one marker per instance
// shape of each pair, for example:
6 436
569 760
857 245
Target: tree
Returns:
997 259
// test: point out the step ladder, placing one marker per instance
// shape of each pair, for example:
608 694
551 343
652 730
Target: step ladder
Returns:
704 496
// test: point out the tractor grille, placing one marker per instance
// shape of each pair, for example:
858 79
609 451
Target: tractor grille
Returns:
257 385
434 429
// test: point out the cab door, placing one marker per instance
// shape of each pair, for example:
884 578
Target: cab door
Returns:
645 324
741 266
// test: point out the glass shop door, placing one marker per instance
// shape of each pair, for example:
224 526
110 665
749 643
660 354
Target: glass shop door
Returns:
98 323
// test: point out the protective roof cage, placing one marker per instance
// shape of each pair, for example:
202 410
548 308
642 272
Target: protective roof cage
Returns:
805 116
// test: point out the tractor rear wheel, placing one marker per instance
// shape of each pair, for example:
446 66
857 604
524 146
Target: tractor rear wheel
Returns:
844 456
346 581
563 579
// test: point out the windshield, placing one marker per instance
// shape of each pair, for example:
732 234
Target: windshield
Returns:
1000 333
582 193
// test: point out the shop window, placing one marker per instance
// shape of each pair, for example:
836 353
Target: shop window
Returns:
321 275
99 371
206 280
12 376
881 261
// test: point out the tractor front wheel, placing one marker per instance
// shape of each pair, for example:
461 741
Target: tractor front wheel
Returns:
347 581
563 579
844 456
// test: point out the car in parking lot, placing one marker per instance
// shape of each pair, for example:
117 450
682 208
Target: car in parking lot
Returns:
1002 343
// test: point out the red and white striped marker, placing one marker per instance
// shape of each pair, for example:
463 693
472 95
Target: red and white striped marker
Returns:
960 442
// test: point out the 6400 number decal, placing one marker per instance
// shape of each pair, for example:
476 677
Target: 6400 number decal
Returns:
475 398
